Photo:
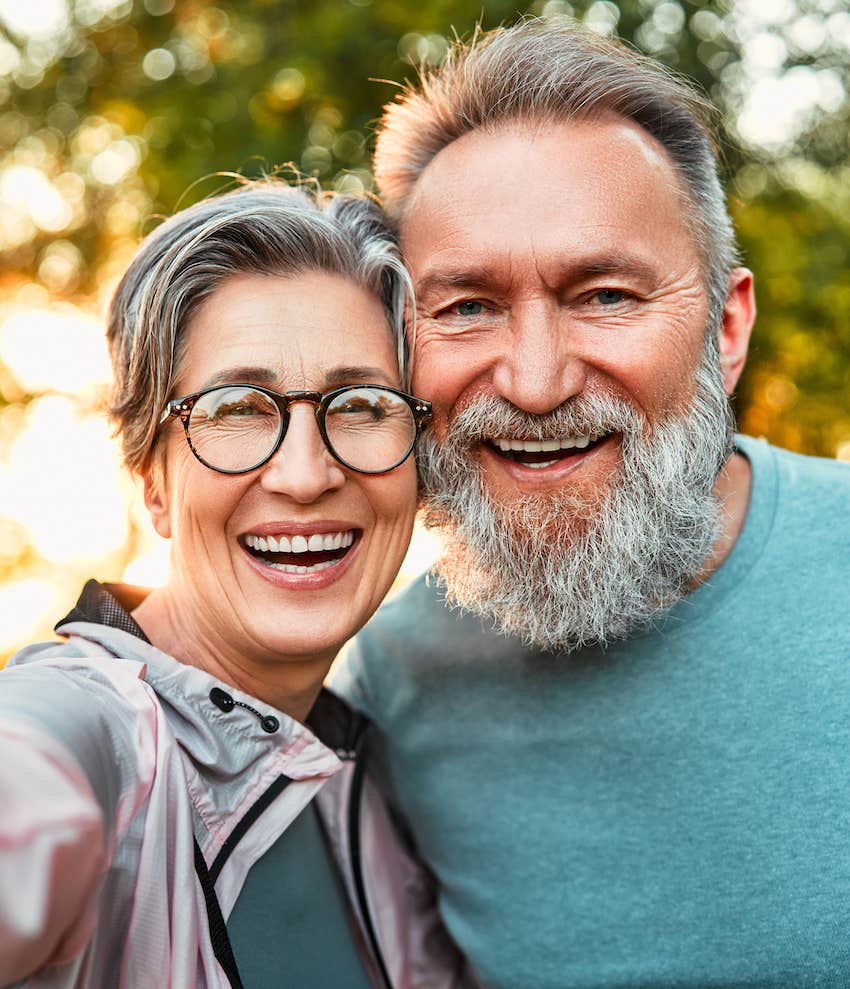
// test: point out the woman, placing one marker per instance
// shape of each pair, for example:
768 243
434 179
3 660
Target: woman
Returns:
155 765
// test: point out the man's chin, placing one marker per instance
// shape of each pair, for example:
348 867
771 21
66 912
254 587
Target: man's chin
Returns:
601 553
564 512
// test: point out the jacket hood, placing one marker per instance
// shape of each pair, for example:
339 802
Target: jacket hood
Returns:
225 731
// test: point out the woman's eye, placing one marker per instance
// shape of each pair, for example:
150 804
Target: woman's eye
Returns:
469 307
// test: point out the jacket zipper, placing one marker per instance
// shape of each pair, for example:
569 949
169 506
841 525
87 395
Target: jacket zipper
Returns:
222 949
356 868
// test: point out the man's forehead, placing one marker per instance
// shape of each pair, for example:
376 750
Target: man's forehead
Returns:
596 188
607 134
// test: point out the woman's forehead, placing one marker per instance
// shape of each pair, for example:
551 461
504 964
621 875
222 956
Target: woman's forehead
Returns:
297 330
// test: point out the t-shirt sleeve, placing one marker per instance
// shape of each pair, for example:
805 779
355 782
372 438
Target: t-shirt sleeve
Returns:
69 782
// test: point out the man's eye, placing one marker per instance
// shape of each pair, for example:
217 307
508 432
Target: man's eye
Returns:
469 307
609 296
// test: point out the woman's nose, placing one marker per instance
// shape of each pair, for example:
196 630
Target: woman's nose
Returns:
302 466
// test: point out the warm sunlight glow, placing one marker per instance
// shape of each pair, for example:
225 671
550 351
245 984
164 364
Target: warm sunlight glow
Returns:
34 18
26 606
55 350
64 484
150 568
422 553
23 187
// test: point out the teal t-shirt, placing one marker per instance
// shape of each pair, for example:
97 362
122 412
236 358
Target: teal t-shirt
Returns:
673 811
290 925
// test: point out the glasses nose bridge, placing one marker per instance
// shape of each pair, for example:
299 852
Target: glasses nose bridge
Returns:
284 400
288 398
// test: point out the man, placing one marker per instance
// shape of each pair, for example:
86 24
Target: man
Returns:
616 723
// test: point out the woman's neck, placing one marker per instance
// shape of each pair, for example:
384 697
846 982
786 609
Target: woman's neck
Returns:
290 684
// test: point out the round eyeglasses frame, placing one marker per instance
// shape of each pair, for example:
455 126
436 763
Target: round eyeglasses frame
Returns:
181 408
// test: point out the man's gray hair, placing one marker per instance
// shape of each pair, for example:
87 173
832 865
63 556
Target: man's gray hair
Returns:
266 227
546 70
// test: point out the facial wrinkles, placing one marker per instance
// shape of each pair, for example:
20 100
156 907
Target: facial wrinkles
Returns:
561 573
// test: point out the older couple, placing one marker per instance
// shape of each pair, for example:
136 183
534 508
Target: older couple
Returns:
610 730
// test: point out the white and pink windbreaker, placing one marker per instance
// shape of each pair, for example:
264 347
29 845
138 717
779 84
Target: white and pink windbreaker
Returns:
135 794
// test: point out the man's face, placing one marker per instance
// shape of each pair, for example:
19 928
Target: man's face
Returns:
581 417
552 262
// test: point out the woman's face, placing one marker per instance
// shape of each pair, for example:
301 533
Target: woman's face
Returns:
313 331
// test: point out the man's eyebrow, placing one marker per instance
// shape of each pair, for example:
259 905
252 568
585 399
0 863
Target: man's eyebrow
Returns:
612 264
467 278
572 269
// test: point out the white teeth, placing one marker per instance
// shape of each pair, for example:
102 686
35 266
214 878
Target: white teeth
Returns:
295 568
315 543
545 446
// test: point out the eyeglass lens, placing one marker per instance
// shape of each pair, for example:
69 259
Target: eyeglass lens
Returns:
237 428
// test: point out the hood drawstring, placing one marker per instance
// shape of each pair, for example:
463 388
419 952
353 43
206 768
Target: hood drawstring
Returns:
224 702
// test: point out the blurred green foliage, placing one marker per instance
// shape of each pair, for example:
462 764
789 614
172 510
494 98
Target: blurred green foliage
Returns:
128 109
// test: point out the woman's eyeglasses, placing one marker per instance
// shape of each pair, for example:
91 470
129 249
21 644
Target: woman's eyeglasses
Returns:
236 428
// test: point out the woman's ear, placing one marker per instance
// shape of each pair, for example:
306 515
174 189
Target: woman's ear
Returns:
156 497
739 314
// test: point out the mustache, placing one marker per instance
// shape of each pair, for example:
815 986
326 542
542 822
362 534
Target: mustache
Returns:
489 416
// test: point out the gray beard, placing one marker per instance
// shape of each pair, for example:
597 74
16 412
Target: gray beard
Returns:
560 573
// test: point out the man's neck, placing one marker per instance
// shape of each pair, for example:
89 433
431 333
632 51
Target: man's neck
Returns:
732 488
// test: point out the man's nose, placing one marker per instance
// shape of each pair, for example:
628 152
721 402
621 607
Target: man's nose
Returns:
302 466
538 367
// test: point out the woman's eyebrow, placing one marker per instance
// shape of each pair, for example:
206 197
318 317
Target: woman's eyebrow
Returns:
343 374
243 372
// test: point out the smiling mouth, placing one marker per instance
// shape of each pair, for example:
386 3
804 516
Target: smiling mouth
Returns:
308 553
538 454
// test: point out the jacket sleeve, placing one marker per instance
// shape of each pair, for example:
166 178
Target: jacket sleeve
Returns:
69 782
51 853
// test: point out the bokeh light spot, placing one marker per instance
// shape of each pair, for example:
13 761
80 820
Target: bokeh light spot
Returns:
159 64
23 186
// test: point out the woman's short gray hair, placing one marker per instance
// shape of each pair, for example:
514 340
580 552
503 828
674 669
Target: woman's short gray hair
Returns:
551 69
265 227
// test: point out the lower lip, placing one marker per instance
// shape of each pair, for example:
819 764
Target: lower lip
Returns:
304 581
553 474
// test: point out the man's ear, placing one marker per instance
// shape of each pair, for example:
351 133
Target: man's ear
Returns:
156 499
739 314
